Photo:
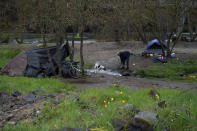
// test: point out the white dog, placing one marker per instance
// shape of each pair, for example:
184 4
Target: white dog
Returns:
97 66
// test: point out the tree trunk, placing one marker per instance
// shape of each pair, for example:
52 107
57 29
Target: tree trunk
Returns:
58 58
59 42
81 55
44 39
117 35
72 47
190 27
140 33
128 32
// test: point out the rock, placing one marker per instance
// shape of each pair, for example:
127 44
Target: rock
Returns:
129 108
29 98
12 122
145 120
71 129
162 104
9 117
36 92
3 98
118 124
52 95
16 94
126 73
133 128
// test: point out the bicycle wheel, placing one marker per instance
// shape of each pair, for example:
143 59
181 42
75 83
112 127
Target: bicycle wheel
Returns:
74 72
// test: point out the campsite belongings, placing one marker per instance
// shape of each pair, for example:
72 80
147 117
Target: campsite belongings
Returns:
154 49
192 77
159 58
39 62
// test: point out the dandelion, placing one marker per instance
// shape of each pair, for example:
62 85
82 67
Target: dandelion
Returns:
108 102
105 106
157 96
112 99
172 120
123 101
121 92
104 101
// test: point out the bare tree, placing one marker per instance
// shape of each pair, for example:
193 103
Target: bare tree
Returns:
80 17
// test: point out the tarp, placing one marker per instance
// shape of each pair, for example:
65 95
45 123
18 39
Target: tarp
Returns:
37 62
16 66
43 61
154 46
152 43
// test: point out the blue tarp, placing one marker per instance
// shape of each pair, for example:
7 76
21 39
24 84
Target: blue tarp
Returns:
151 43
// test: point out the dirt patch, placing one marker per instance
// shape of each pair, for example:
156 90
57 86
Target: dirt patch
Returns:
105 54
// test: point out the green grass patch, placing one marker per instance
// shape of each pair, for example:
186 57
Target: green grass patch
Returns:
97 108
171 71
6 54
27 85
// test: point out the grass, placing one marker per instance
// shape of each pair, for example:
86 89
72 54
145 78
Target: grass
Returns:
6 54
93 110
171 71
27 85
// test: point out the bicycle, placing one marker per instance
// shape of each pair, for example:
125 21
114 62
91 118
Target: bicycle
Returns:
71 69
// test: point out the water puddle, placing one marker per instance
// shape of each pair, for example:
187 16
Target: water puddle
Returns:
100 69
107 72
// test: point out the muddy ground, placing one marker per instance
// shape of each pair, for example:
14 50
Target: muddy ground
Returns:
105 53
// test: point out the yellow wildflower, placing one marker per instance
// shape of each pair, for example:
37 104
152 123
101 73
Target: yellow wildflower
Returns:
112 99
108 102
157 96
104 101
121 92
105 106
123 101
115 84
172 120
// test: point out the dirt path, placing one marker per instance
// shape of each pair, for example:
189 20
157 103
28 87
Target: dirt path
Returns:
105 81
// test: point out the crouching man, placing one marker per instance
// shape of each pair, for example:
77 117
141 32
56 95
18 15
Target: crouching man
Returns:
124 57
